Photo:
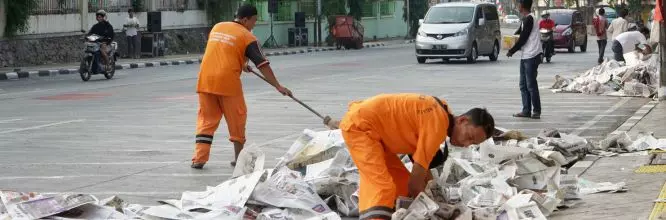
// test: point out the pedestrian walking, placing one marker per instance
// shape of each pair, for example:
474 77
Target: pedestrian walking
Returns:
131 27
529 43
229 46
619 25
600 25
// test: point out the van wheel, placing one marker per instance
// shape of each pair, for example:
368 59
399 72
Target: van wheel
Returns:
421 59
493 56
473 55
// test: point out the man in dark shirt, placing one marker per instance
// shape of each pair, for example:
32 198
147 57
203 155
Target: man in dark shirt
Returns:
104 29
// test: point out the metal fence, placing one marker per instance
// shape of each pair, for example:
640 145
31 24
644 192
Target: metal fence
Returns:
309 7
57 7
109 5
176 5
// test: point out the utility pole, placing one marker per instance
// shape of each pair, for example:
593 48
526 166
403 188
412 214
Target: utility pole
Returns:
318 23
409 20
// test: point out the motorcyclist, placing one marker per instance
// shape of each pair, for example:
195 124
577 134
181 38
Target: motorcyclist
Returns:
104 29
548 24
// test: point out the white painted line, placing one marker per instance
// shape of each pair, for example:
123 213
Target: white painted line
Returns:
117 175
119 193
10 120
636 118
141 65
33 74
597 118
642 112
40 126
126 66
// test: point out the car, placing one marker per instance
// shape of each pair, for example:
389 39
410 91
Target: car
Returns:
610 14
570 29
459 30
511 19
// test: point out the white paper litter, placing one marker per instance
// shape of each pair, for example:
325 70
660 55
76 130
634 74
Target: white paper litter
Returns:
250 160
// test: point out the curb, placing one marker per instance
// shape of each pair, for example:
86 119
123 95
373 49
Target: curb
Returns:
638 116
56 72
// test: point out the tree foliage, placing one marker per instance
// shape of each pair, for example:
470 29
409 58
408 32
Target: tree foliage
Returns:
18 15
417 10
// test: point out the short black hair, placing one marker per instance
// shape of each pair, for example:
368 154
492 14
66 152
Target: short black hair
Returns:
602 11
526 4
482 118
644 30
623 12
246 11
130 10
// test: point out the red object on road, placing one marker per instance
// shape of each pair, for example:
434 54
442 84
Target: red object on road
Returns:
347 32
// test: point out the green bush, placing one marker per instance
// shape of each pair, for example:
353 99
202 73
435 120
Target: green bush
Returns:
18 15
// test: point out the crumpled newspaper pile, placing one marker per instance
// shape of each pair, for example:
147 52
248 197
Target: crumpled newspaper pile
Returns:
638 77
623 143
509 176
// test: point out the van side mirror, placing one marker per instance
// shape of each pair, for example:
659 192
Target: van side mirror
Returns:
420 22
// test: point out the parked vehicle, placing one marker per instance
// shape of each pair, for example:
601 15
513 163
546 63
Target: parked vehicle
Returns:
347 32
511 19
547 43
459 30
91 62
611 14
570 29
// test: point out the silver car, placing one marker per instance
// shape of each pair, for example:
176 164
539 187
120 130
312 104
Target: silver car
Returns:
459 30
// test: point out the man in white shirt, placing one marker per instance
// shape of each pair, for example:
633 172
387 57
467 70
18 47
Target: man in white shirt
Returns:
529 43
131 27
627 41
619 25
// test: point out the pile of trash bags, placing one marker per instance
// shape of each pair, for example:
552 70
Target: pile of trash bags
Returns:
638 76
509 176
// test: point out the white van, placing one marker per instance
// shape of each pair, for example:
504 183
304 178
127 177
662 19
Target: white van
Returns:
456 30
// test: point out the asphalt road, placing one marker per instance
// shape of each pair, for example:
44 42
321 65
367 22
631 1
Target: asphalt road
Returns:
133 136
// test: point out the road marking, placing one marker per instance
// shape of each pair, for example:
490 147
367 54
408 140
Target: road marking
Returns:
598 118
40 126
10 120
108 175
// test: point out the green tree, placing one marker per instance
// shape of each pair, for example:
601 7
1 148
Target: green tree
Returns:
18 15
417 10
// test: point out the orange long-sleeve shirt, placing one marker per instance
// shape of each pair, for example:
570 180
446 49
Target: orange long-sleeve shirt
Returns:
405 123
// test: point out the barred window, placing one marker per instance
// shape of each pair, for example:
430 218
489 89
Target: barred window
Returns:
309 7
387 7
284 11
368 9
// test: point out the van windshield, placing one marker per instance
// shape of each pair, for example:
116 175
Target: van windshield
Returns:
449 15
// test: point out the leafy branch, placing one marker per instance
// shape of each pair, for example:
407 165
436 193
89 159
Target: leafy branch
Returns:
18 15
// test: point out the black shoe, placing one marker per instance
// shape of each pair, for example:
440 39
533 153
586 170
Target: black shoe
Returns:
536 115
197 165
522 115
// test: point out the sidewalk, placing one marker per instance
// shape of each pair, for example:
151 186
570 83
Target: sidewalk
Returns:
11 73
637 202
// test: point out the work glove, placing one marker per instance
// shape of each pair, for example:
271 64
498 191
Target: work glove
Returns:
330 123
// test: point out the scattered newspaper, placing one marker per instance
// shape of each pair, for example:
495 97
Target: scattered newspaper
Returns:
34 206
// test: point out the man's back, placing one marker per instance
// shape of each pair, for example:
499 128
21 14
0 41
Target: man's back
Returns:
629 39
224 58
600 25
618 26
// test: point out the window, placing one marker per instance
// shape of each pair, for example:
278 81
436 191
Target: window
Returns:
387 7
368 9
284 11
309 7
491 13
449 15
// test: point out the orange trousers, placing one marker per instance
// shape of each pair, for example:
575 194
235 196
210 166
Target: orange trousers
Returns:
383 176
211 110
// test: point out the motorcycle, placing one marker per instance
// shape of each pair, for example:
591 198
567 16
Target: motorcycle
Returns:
91 62
547 43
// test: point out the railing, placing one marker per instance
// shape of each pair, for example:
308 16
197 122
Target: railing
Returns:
176 5
56 7
109 5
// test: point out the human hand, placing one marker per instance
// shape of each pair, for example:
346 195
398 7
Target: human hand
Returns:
246 68
509 54
284 91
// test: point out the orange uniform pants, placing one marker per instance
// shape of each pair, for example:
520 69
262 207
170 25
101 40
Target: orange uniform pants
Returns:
211 110
383 176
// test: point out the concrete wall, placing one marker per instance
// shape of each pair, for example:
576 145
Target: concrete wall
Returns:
71 23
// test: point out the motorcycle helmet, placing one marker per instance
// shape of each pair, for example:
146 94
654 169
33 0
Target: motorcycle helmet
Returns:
545 14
